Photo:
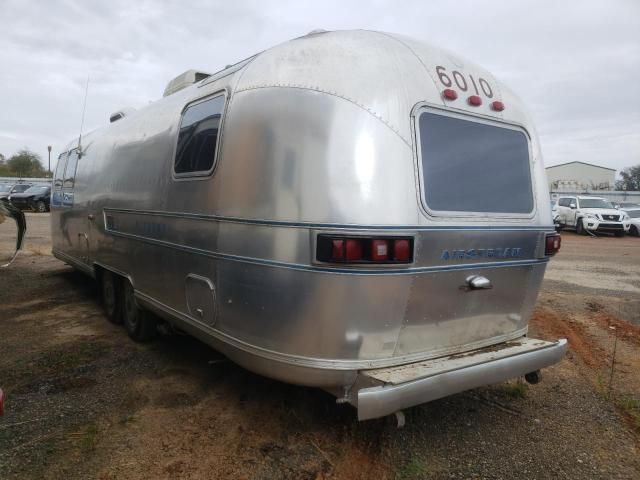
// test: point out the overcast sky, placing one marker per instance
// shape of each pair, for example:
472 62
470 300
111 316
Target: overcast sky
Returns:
576 64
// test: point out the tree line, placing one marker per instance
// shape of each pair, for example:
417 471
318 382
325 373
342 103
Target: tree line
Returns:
630 179
25 163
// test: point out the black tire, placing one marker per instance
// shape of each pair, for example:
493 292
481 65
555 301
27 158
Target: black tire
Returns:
111 292
634 231
41 207
580 227
140 324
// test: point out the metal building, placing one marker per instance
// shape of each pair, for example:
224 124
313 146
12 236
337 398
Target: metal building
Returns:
580 176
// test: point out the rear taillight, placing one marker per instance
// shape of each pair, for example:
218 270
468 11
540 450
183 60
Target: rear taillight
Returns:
552 244
346 249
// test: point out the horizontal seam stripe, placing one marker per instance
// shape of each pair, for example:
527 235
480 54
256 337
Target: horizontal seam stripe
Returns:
313 268
284 223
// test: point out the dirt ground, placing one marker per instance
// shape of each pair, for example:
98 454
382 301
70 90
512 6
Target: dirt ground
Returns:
84 402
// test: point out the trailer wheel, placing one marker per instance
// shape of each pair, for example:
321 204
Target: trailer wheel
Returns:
139 323
111 290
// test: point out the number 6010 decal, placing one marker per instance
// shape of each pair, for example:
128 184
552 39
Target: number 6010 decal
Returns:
460 80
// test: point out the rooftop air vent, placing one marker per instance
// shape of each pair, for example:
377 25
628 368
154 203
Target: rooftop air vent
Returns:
184 80
118 114
316 31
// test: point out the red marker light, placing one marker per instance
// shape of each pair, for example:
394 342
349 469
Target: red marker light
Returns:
474 100
449 94
497 106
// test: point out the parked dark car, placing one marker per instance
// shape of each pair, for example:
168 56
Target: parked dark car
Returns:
36 198
8 189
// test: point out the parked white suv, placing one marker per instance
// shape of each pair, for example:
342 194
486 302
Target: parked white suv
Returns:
634 220
594 214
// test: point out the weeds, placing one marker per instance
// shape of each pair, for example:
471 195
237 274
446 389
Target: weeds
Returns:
127 419
414 469
515 390
630 407
87 439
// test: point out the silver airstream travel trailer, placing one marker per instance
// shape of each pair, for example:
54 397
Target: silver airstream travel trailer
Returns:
351 210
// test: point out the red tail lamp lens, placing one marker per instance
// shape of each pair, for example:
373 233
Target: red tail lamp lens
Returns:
497 106
449 94
353 249
552 244
337 251
402 250
363 250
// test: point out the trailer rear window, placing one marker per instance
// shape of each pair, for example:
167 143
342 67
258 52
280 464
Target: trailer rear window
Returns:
198 137
468 166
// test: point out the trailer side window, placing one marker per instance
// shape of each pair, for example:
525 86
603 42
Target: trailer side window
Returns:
198 137
62 161
471 166
70 171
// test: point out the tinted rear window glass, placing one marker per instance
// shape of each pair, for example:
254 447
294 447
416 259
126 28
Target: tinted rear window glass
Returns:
198 136
474 167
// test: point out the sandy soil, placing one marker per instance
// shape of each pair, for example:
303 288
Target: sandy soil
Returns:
83 401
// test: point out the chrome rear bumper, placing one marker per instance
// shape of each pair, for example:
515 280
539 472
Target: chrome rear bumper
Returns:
416 383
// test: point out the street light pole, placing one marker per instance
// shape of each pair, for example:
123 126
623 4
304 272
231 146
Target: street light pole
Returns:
49 149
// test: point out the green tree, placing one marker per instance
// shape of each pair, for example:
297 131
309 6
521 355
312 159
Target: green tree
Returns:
4 170
26 164
630 179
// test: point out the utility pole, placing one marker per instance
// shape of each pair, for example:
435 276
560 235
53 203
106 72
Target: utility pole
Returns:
49 149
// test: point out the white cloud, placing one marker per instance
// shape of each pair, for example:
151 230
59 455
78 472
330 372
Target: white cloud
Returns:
576 64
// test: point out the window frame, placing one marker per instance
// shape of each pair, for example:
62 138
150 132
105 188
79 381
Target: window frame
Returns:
201 174
63 157
422 107
76 152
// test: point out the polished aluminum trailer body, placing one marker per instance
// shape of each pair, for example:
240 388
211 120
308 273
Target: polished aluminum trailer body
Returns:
318 136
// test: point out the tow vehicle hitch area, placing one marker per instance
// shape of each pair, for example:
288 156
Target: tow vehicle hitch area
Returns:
384 391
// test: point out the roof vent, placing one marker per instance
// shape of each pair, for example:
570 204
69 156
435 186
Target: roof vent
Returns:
317 31
118 114
184 80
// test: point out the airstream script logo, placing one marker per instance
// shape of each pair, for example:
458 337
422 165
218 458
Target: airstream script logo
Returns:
508 252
